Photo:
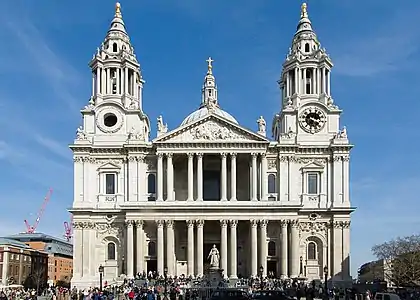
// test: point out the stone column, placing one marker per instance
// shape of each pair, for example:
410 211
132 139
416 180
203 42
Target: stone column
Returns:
199 176
117 75
254 253
160 245
254 177
284 248
264 177
5 268
190 258
233 249
200 242
140 246
223 246
233 177
126 81
190 177
263 245
170 247
77 252
130 248
98 80
159 177
294 240
108 81
346 250
223 189
337 250
169 177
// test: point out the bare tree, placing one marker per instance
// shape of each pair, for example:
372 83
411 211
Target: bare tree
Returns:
401 260
38 276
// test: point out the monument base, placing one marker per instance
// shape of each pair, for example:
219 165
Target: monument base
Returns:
213 277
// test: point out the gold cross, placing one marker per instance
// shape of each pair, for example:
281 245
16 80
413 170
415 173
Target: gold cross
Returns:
209 61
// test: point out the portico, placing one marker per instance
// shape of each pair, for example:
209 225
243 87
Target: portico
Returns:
202 234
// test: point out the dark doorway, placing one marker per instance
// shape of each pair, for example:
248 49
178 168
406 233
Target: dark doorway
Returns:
272 268
207 247
211 185
152 265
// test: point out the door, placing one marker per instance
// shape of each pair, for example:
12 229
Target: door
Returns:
211 185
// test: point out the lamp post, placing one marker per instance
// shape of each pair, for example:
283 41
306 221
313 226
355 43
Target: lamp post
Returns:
165 274
261 277
326 281
301 267
123 265
101 273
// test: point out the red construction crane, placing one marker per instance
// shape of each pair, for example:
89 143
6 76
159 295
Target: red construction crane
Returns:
68 229
32 228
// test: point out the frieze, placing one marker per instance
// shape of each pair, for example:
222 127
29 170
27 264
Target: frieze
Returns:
84 159
313 227
110 229
151 163
212 131
307 160
112 161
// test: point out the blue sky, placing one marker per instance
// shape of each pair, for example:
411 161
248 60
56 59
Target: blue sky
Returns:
45 80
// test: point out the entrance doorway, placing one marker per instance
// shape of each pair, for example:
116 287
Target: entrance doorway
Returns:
272 268
151 265
211 185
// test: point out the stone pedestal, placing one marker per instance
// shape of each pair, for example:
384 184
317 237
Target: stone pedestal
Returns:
213 277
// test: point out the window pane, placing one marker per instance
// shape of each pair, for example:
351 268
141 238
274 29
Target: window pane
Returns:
271 184
111 251
271 248
110 184
312 183
311 250
151 184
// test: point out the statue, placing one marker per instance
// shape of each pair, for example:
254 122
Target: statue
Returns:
91 104
343 133
161 127
214 257
261 125
80 134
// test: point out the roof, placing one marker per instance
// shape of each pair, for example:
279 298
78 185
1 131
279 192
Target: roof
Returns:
203 111
13 243
53 245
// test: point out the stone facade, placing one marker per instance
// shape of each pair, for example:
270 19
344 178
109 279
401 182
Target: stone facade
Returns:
143 205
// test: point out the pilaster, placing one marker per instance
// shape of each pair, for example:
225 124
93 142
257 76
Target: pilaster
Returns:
233 249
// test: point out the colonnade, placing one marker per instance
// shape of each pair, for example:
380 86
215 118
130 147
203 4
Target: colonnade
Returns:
223 176
228 247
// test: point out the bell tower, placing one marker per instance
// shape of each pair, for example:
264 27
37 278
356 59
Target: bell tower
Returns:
307 108
115 109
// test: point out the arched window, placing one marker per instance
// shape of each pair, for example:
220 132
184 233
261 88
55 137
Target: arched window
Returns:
311 251
271 248
307 47
151 184
151 249
111 251
114 47
271 183
308 83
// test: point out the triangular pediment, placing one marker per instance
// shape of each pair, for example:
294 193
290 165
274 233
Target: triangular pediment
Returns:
109 166
313 165
211 128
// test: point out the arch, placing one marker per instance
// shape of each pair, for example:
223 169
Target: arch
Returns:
271 184
111 251
271 248
114 47
307 48
311 250
151 248
151 183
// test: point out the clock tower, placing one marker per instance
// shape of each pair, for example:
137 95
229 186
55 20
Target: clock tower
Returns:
308 113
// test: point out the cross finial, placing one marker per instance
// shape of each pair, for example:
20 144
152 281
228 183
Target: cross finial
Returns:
209 64
304 11
118 9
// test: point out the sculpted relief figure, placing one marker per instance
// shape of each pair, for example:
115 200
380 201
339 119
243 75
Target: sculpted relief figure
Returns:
80 134
214 257
261 125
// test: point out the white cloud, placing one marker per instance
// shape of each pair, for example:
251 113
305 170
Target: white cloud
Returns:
388 48
54 146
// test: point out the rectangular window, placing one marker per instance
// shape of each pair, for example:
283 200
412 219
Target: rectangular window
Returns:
110 184
313 183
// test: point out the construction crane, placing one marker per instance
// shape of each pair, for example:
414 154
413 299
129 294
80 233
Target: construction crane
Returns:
32 228
68 229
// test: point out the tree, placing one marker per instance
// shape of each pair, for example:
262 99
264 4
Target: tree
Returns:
39 277
401 260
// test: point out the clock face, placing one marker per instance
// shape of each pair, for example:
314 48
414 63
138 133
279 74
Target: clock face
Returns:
312 119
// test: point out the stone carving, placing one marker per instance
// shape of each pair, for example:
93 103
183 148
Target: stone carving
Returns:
133 104
313 227
151 164
308 160
263 223
169 223
261 126
214 258
233 223
80 134
91 104
314 216
272 163
160 223
223 223
109 228
345 158
254 223
190 223
290 134
283 223
342 134
161 127
294 223
212 131
136 135
200 223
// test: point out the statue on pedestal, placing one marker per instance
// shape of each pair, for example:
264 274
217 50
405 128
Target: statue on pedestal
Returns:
214 258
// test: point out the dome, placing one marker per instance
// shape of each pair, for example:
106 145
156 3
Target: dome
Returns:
203 111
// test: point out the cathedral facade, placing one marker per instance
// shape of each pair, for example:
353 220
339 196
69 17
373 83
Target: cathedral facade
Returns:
277 205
